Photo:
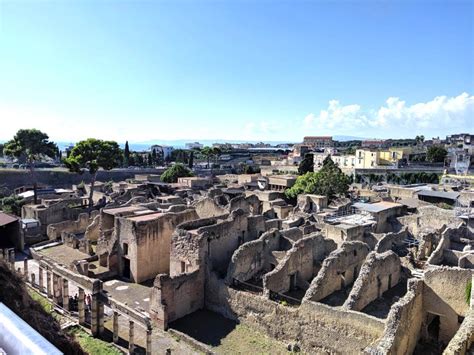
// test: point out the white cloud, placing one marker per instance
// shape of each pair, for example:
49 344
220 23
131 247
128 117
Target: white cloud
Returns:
395 117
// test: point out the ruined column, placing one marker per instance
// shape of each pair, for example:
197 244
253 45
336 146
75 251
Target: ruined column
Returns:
94 315
131 331
65 294
55 288
48 284
100 317
116 327
148 342
11 258
25 269
33 277
40 279
80 307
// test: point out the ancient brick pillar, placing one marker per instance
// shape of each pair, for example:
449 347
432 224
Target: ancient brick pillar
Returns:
116 328
148 341
25 269
55 288
40 279
131 333
48 284
11 258
65 294
101 317
80 307
95 315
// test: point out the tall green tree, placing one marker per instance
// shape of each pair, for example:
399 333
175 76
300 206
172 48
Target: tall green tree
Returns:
329 181
126 155
174 172
34 145
306 165
191 159
436 154
91 155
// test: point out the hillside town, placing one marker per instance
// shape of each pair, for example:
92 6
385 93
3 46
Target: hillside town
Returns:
320 246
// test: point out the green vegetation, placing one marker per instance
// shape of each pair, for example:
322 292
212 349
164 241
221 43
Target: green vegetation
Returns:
92 154
246 340
468 292
12 204
306 165
92 345
44 303
436 154
174 172
330 181
31 145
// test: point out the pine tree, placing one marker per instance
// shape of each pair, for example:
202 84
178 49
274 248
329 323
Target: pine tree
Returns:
126 154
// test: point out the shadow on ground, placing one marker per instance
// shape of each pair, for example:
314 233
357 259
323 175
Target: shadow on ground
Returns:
205 326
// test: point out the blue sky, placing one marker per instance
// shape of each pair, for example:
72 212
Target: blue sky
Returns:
249 70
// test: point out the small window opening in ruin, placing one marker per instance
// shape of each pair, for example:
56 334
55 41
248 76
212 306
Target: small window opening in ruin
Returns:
183 267
355 252
390 281
125 248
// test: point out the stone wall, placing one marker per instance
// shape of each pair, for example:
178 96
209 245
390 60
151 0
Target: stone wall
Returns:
339 269
316 327
256 257
302 262
173 297
379 273
444 294
80 225
389 241
403 327
428 218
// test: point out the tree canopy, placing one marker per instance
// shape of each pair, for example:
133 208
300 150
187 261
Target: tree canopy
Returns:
33 145
306 165
92 154
436 154
174 172
329 181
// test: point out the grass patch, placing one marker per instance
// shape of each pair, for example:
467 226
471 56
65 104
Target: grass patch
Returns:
90 344
246 340
47 306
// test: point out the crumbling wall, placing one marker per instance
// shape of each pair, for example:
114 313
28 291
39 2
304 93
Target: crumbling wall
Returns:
301 262
339 269
207 207
93 229
391 241
255 257
79 226
379 273
403 327
444 294
317 328
173 297
428 219
463 341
